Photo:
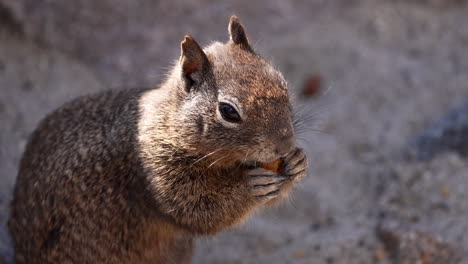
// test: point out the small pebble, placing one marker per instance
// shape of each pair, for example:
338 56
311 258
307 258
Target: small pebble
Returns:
312 86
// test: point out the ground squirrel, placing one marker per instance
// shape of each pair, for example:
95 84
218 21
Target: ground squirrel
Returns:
134 176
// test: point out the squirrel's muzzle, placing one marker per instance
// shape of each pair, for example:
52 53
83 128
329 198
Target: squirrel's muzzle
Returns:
285 145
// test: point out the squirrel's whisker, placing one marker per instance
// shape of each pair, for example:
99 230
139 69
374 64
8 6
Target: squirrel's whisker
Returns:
206 156
216 161
244 160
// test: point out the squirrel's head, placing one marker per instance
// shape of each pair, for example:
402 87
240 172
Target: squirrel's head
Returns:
232 104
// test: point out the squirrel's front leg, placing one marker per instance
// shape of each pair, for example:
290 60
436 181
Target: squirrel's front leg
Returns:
268 187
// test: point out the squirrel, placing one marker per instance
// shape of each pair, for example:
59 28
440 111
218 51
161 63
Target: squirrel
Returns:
135 176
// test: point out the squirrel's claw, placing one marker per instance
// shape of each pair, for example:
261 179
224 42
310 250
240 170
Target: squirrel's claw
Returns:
296 164
264 184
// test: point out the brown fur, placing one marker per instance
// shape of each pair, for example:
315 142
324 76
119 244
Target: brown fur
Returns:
133 176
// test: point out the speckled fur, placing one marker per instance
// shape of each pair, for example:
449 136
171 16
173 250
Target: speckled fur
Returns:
133 176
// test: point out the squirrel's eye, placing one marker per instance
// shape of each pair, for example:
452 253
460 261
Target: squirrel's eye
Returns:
229 113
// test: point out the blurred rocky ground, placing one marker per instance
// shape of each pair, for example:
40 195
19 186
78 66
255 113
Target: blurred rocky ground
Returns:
388 180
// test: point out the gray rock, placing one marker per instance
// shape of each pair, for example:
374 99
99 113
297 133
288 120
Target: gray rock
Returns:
449 133
409 247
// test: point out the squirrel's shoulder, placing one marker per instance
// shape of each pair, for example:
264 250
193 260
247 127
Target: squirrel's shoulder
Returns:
104 116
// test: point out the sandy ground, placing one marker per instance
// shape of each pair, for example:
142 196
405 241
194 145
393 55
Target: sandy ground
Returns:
389 70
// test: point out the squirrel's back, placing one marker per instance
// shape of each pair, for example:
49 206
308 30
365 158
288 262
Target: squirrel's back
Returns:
87 167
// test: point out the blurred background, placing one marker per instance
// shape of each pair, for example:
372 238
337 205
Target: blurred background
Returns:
382 86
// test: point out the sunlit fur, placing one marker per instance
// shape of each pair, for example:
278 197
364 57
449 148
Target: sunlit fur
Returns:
187 147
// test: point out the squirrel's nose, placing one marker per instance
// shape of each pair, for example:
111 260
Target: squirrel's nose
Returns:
285 145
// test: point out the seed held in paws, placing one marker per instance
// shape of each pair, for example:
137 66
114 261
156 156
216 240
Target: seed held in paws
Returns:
274 166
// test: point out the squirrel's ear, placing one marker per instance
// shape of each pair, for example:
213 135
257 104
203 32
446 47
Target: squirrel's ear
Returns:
193 61
237 33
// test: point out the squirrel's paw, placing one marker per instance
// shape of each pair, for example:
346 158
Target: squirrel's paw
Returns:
264 184
295 165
